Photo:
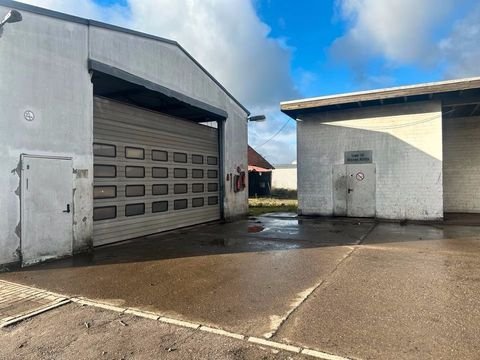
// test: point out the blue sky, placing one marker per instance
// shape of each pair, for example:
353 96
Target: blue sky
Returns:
267 51
311 27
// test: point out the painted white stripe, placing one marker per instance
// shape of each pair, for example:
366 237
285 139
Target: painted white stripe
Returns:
143 314
99 305
222 332
274 344
179 322
322 355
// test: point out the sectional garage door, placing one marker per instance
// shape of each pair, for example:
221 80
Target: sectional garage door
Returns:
152 172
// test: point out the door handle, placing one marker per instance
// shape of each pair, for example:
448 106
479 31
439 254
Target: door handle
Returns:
68 209
350 190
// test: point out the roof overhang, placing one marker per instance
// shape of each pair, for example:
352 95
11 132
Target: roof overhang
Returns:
458 97
259 169
116 84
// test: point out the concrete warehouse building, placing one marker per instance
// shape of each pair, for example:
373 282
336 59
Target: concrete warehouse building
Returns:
402 153
108 134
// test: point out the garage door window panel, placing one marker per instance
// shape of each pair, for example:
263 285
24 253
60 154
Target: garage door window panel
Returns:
212 160
212 200
180 157
197 159
159 155
134 209
180 173
197 173
104 213
160 172
104 150
105 192
159 206
134 190
198 188
134 171
197 202
104 171
212 187
134 153
160 189
180 188
212 174
180 204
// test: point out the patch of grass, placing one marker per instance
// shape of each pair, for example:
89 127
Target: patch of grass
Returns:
261 206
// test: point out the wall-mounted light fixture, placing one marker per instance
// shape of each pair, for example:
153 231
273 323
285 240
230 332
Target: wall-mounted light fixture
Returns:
12 16
257 118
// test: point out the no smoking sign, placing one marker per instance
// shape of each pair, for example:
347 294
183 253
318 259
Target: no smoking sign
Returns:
360 176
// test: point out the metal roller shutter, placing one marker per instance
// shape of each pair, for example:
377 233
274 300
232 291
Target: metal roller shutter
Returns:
152 172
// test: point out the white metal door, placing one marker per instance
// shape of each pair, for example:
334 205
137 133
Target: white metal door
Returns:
46 203
361 190
339 190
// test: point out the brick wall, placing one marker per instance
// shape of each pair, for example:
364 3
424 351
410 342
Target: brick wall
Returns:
461 167
406 141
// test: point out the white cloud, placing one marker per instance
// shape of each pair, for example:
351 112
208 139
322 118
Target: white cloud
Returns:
460 49
226 37
400 31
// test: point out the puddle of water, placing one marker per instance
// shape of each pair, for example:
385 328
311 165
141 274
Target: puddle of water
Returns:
255 228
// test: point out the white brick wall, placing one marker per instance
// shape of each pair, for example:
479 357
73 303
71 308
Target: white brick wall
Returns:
406 141
461 167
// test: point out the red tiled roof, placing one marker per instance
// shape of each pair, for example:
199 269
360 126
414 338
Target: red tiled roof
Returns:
257 160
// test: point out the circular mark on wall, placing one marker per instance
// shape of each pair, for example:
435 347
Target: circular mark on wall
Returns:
360 176
29 115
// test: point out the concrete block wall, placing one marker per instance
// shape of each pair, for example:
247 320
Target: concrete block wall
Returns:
461 165
406 141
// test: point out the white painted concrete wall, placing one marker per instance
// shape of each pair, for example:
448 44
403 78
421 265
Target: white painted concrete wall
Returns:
167 65
43 69
461 166
284 177
406 141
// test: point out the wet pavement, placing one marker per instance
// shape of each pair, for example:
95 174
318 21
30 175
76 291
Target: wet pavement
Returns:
349 287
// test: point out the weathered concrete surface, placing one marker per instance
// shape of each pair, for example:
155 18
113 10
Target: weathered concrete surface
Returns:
62 334
406 292
409 293
222 275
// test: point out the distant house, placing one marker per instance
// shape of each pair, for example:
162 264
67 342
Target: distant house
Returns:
259 174
284 176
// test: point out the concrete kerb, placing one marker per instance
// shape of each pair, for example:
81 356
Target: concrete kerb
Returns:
194 326
186 324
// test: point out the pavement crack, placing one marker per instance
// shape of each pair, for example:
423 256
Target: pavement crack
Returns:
315 288
367 234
